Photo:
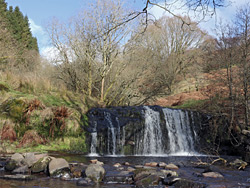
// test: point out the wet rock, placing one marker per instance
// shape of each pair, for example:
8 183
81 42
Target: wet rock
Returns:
78 171
40 156
120 168
17 157
85 182
11 165
131 169
212 175
124 177
99 163
18 177
152 164
148 181
95 172
239 164
169 180
188 183
21 170
162 164
169 173
126 163
30 159
93 161
171 166
56 165
41 165
117 165
65 176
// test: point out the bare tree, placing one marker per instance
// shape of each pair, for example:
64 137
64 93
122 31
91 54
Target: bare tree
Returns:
243 31
166 49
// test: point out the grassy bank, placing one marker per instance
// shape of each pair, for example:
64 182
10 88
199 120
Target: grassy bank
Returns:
36 116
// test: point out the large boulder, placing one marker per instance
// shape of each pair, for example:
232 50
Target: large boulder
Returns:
95 172
17 157
21 170
57 165
41 165
30 159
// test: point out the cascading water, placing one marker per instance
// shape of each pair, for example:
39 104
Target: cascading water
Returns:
144 130
152 138
93 144
179 131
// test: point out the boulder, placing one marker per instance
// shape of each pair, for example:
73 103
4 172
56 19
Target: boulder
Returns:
126 163
171 166
169 173
93 161
179 182
17 157
131 169
56 165
148 181
99 163
124 177
95 172
162 164
117 165
30 159
21 170
78 171
11 165
152 164
41 165
85 182
40 156
212 175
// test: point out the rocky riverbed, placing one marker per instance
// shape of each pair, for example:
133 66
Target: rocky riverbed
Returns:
53 170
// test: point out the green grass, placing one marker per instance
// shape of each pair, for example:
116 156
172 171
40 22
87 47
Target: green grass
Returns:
191 104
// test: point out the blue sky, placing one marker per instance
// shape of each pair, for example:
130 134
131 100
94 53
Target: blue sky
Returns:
40 12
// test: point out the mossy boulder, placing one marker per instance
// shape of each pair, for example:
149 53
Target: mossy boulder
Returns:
95 172
11 165
41 165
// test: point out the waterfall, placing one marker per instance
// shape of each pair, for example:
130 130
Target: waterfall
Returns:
111 135
152 141
179 131
144 130
93 144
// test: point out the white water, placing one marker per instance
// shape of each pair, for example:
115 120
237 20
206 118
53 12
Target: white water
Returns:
93 144
152 141
179 132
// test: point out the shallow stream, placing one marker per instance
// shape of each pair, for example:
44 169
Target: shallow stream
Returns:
188 170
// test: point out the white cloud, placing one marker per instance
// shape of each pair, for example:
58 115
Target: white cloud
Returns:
50 53
35 29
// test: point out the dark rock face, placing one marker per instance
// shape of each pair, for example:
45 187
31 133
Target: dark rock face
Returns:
121 130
